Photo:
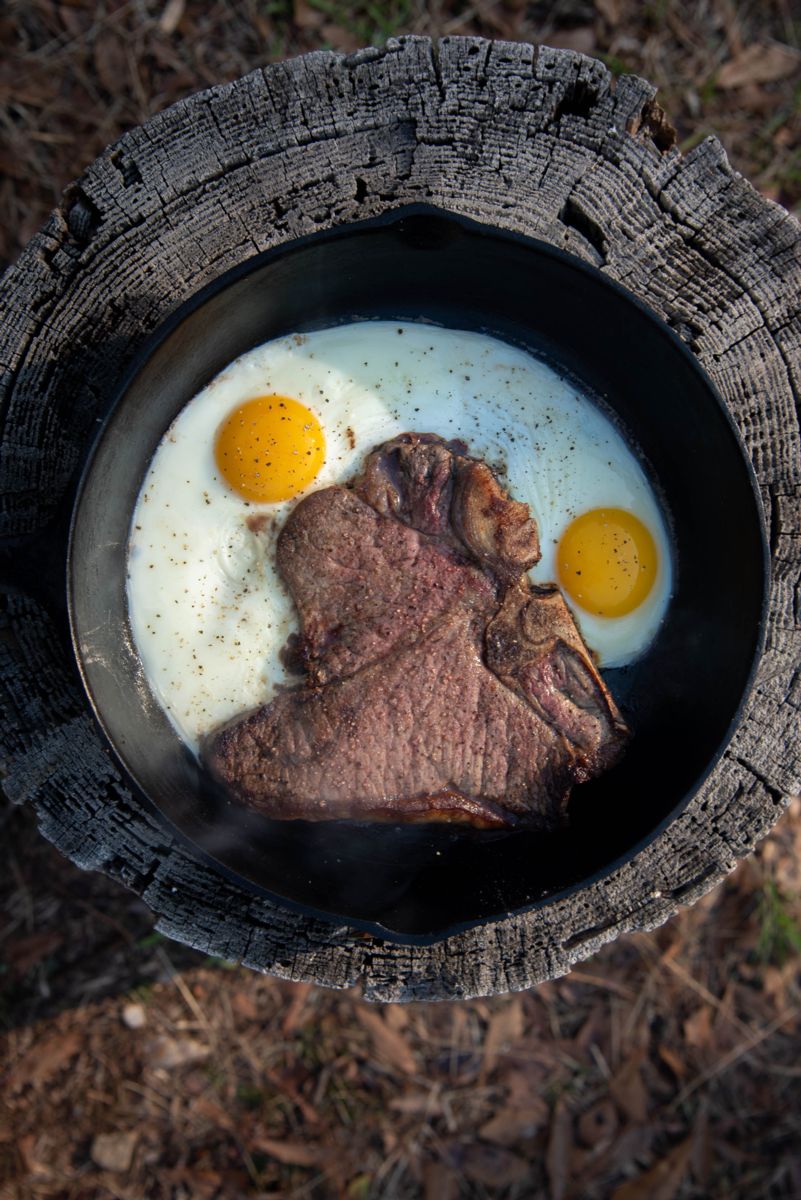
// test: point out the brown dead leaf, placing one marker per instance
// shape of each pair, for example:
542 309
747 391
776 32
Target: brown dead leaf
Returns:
697 1028
785 858
524 1087
27 952
459 1031
492 1166
294 1154
425 1104
599 1124
610 10
777 980
111 61
582 39
300 994
560 1150
628 1090
284 1086
396 1016
761 62
306 17
512 15
244 1006
634 1143
204 1107
28 1153
662 1181
199 1184
389 1045
168 1052
505 1028
43 1060
672 1060
171 16
114 1151
339 38
515 1122
754 97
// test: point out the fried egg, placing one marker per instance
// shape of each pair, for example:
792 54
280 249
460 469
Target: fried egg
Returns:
208 611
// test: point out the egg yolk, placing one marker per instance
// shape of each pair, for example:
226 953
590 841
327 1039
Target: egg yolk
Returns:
270 449
607 561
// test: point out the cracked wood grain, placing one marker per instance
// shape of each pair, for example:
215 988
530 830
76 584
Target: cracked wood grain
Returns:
532 139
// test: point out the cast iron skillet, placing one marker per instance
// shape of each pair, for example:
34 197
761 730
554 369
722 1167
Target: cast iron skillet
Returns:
683 699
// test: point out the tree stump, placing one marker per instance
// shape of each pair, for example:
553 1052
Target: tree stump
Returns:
534 140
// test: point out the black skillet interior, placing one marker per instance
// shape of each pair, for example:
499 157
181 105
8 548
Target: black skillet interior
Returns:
682 698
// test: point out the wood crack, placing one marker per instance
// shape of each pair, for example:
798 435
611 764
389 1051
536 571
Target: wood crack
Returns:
604 930
691 885
776 794
691 238
574 215
710 257
127 168
436 68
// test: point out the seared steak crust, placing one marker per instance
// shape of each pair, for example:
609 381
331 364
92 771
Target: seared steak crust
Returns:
441 685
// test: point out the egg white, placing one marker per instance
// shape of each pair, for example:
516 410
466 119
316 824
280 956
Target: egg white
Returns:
208 610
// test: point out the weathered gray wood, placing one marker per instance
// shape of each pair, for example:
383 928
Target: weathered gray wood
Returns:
533 139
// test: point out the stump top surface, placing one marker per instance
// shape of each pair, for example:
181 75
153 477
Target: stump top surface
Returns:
530 139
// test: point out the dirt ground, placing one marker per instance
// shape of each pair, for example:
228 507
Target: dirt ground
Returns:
666 1068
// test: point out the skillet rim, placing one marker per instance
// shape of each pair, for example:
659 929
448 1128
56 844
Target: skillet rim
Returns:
390 217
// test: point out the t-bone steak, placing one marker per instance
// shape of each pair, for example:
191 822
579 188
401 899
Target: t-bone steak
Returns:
441 684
